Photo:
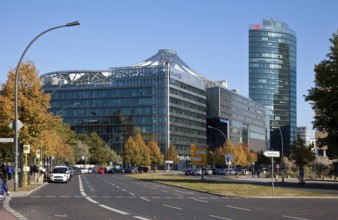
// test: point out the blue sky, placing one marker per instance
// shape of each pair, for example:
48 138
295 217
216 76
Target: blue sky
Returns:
210 36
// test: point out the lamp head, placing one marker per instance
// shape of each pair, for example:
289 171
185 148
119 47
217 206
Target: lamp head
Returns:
74 23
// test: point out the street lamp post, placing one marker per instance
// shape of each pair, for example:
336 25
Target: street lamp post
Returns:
282 161
225 139
16 99
67 106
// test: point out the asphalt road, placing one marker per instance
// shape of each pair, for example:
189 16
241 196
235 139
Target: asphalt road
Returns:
106 196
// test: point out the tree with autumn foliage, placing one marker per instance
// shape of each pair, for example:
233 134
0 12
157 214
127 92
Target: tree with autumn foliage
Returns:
242 155
41 128
131 153
156 156
172 155
143 149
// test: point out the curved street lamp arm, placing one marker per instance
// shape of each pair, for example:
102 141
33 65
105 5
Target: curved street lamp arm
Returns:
16 96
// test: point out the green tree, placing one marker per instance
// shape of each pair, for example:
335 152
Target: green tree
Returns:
97 150
324 98
262 159
301 154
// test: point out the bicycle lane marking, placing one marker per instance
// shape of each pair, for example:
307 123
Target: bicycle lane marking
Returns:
83 193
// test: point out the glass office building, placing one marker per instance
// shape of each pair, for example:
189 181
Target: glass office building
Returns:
272 78
240 119
161 97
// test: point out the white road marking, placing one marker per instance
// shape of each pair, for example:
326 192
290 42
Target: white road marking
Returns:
12 211
61 216
95 202
132 194
91 200
234 207
214 216
199 200
142 218
145 199
173 207
164 191
286 216
184 192
114 210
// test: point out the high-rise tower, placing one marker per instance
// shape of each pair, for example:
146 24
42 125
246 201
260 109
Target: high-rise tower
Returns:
273 78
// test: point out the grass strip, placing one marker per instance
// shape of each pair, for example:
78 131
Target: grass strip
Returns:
224 188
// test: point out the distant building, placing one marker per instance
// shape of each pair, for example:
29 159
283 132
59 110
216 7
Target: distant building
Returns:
304 133
273 78
241 120
161 97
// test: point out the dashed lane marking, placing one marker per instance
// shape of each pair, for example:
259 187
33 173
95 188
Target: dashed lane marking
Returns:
173 207
235 207
219 217
286 216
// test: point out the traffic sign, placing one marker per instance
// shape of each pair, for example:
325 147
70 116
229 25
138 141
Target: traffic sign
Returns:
6 140
271 153
26 149
37 154
12 125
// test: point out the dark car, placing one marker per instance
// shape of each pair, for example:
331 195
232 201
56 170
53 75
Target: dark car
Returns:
189 172
131 170
143 169
111 171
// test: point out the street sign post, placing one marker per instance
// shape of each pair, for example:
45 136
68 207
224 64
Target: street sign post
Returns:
272 154
6 140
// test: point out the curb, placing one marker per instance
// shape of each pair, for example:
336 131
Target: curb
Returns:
7 207
27 193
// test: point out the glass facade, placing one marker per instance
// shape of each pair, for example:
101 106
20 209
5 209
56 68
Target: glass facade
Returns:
273 77
242 120
157 97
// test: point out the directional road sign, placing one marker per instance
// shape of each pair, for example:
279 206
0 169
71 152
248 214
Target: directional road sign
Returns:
6 140
271 153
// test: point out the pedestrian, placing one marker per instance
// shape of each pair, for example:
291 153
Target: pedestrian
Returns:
3 186
4 169
9 171
301 176
35 172
258 172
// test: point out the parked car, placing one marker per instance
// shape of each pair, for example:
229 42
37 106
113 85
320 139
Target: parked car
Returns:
220 171
143 169
60 174
189 171
197 172
207 171
84 170
131 170
101 170
111 171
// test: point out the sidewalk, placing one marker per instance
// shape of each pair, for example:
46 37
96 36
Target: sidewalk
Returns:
6 213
